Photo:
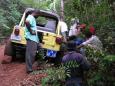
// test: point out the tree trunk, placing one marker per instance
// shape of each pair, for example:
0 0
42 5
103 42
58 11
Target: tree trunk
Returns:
112 4
62 9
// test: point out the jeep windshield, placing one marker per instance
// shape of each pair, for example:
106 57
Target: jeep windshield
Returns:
46 24
47 21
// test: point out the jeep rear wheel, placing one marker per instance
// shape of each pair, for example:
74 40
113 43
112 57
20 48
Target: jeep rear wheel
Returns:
18 51
13 53
8 48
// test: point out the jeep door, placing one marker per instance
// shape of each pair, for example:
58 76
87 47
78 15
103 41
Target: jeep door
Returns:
47 26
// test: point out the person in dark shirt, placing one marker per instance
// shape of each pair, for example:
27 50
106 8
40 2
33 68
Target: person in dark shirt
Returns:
76 64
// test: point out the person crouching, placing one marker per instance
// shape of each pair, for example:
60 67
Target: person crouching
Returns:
76 64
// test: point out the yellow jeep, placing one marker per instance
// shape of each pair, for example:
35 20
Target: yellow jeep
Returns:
48 29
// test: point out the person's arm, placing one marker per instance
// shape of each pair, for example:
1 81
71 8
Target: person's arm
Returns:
81 45
64 30
85 43
28 25
64 36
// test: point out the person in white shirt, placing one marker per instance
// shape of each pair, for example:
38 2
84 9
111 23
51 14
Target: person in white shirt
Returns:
73 29
64 30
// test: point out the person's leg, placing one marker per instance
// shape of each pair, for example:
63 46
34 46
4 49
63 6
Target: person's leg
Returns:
30 54
33 51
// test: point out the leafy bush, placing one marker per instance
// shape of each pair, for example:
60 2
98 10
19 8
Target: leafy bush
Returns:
100 73
10 14
99 13
56 77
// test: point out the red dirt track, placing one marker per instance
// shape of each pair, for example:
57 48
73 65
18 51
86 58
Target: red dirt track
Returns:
14 73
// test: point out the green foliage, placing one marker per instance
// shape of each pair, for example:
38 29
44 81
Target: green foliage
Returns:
71 64
110 58
39 4
10 13
3 23
48 5
100 73
40 54
100 14
87 11
55 77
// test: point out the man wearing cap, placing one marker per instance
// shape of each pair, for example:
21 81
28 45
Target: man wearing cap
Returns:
91 39
80 64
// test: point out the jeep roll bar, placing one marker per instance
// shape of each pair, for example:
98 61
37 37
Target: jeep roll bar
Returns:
41 13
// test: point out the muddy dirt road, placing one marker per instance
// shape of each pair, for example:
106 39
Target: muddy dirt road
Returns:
14 73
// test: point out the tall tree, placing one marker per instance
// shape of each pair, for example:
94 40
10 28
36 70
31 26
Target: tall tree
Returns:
62 9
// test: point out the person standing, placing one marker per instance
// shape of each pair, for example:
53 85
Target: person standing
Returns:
64 30
32 39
